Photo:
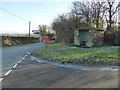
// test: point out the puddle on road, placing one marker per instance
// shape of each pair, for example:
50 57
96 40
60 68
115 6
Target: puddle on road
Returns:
83 67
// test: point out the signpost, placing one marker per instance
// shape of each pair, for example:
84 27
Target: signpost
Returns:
37 32
45 39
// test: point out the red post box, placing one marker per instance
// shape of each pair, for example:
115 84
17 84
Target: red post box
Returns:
46 39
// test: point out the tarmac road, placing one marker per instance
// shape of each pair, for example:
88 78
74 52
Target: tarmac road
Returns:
31 74
11 55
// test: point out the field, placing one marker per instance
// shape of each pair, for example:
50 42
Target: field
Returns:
105 55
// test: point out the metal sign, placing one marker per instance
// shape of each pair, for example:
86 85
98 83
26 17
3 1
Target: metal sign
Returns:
36 31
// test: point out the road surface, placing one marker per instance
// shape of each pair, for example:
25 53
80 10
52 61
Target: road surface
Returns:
31 74
11 55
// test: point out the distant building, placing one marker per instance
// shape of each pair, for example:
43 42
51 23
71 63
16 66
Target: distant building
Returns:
88 37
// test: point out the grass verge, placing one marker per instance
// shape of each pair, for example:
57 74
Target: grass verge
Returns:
11 41
107 55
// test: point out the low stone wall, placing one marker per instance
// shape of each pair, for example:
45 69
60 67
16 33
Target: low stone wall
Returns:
97 37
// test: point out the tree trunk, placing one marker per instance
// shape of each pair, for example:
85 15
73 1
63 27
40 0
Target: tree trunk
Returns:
110 17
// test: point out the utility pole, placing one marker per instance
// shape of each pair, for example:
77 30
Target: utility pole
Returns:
29 28
40 33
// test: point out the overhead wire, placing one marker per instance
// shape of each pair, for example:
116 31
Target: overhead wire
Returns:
17 16
14 14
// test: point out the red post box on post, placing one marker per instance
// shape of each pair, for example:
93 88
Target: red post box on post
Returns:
46 39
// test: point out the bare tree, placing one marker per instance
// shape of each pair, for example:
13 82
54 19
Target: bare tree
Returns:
98 11
42 29
81 11
112 8
64 28
83 15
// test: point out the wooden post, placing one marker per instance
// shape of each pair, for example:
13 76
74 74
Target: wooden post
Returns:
46 50
29 28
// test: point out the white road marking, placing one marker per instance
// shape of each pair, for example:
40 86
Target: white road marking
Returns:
20 61
15 66
82 67
1 79
8 72
28 53
109 69
23 58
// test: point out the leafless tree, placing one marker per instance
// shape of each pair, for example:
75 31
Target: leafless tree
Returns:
98 12
42 29
84 15
64 28
82 12
112 9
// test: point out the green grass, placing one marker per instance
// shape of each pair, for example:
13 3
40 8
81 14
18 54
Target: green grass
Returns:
107 55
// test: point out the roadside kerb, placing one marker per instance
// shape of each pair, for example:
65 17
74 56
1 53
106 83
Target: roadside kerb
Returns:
82 67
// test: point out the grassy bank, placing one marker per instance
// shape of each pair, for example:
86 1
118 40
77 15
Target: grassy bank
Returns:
107 55
11 41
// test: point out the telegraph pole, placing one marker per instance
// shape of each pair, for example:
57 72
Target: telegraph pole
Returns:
40 33
29 28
